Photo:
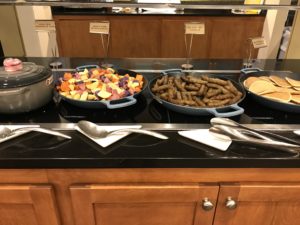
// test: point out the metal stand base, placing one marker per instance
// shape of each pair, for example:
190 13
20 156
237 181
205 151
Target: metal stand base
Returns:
56 65
107 65
187 66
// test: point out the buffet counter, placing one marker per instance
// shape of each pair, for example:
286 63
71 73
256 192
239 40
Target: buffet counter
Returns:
141 179
140 150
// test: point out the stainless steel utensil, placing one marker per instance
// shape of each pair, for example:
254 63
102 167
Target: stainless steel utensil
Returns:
235 134
258 133
96 131
5 131
296 132
228 134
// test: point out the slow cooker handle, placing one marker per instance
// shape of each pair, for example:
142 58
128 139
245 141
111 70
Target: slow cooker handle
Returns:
237 111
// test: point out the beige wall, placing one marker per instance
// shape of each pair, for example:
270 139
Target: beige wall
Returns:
293 51
37 44
273 29
9 32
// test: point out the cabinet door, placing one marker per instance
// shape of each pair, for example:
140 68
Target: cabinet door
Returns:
229 37
259 204
134 37
143 204
172 39
75 40
27 205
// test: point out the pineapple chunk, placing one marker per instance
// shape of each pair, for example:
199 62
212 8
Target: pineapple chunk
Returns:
73 93
72 87
76 97
71 81
91 97
104 94
84 96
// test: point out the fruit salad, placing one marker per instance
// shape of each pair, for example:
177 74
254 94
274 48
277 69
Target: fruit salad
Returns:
99 84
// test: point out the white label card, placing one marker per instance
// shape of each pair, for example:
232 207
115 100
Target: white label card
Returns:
99 27
44 25
194 28
259 42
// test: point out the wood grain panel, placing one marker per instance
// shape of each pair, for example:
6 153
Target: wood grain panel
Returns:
229 36
17 214
145 213
76 41
259 205
27 205
148 204
172 39
133 37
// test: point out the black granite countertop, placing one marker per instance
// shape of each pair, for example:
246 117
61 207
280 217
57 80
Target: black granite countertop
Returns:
36 150
148 12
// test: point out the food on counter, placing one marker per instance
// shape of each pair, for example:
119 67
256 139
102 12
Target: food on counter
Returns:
292 82
295 98
262 87
276 88
279 96
12 64
99 84
279 81
195 91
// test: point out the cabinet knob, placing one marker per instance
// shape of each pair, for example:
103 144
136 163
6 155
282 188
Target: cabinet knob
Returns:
207 204
230 203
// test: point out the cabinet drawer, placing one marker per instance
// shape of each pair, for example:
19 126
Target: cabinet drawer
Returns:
146 204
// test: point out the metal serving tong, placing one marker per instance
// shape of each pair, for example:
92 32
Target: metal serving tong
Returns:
263 135
250 136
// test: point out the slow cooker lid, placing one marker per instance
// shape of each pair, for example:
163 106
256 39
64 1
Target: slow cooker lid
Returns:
30 74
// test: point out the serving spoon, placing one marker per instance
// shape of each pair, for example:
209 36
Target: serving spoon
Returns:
96 131
6 132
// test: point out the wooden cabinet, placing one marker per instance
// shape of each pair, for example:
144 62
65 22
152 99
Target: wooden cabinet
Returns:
173 43
150 196
147 204
27 205
262 204
132 37
157 36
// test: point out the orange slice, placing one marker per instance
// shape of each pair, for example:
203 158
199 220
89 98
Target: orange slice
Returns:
279 96
249 81
296 99
279 81
294 83
262 87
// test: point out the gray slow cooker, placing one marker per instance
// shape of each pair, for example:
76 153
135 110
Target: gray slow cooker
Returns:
26 89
